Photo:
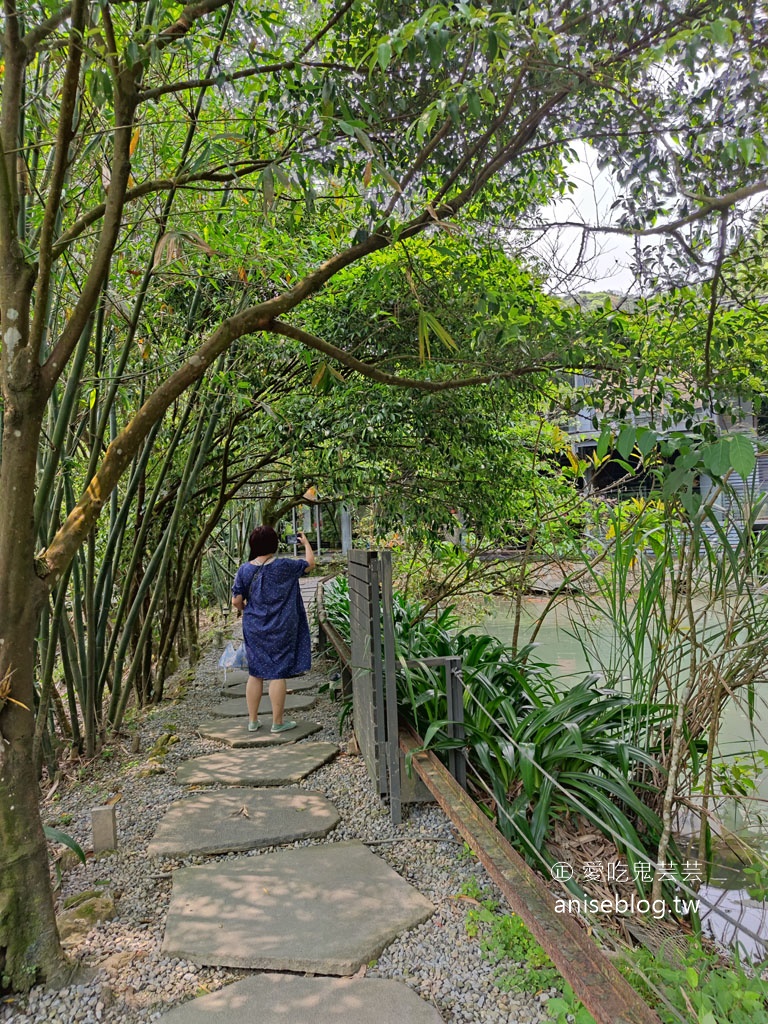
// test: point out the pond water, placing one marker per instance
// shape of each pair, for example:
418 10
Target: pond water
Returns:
558 645
733 916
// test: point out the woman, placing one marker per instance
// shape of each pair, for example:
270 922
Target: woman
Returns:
275 627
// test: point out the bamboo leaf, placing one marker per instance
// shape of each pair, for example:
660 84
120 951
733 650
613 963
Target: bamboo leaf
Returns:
423 332
165 244
268 188
390 180
57 836
440 331
318 375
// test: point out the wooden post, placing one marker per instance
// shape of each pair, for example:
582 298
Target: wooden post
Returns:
454 692
346 530
390 689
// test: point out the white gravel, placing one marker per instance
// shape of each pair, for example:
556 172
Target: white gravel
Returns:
125 979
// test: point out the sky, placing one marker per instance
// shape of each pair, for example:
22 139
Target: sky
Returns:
608 257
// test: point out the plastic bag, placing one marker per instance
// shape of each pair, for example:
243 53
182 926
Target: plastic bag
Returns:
233 658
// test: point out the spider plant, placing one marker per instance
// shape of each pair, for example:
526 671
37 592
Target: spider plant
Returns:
570 756
336 601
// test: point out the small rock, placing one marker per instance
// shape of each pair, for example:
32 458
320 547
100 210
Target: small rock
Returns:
67 859
80 919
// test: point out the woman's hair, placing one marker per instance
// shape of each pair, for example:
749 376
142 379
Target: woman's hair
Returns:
263 541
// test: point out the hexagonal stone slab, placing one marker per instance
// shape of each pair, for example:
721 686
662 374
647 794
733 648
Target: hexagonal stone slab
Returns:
292 1000
275 766
234 677
324 909
237 708
234 820
234 732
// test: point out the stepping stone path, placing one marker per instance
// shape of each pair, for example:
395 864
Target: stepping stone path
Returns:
280 997
234 685
325 909
237 708
234 732
275 766
321 909
236 820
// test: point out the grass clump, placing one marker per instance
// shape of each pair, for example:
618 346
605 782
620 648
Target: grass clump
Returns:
521 963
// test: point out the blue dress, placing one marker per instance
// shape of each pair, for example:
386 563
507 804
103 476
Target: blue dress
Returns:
275 627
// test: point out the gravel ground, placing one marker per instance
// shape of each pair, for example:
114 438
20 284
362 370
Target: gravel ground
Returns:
125 979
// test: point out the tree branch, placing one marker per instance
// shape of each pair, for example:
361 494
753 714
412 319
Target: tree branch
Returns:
125 106
147 188
65 134
36 35
162 90
483 141
185 21
13 74
113 61
235 76
713 296
333 20
711 204
8 235
370 371
121 169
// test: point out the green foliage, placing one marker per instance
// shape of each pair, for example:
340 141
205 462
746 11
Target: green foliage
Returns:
187 179
57 836
466 853
567 1009
505 941
336 601
675 585
646 519
701 990
573 754
543 754
416 456
756 875
521 962
737 777
474 891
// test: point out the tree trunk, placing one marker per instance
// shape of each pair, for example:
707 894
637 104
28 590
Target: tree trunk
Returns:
29 943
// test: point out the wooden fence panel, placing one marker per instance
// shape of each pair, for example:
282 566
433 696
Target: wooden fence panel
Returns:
361 615
373 671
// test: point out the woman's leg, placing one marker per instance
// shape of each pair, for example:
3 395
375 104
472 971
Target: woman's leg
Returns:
277 699
254 689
